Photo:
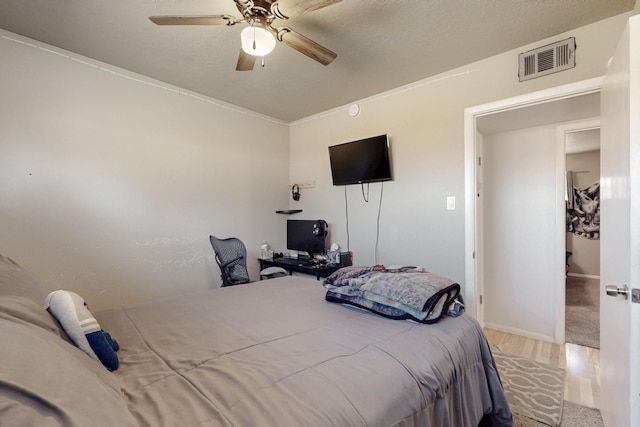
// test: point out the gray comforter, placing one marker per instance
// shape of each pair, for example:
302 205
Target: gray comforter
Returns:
275 353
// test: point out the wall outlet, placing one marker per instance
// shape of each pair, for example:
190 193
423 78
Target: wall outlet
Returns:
310 183
451 203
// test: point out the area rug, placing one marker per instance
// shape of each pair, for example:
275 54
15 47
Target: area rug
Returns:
534 390
573 415
582 312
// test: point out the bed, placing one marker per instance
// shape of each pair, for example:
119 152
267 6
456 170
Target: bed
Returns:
269 353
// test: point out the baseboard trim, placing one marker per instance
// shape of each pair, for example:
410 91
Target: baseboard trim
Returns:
521 332
586 276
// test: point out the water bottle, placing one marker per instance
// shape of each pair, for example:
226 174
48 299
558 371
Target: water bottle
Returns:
264 250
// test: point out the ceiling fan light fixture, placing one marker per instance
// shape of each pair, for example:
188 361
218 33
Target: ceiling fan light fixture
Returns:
257 40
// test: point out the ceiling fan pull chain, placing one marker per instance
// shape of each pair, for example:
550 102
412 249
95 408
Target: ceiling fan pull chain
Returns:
253 25
262 61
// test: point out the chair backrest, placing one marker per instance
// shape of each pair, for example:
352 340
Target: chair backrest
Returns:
231 256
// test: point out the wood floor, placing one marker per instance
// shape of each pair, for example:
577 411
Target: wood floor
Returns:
582 364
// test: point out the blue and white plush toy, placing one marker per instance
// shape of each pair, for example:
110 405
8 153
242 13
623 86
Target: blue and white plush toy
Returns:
83 329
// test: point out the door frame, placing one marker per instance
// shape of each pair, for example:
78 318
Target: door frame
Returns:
473 280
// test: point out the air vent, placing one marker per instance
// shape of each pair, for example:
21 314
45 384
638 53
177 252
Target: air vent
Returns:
547 59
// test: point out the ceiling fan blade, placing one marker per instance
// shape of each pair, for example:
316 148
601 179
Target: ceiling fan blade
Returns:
194 20
306 46
245 61
291 8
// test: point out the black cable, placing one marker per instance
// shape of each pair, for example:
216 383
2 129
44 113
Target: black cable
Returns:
346 214
366 198
378 222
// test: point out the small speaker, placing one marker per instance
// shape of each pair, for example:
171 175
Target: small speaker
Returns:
345 259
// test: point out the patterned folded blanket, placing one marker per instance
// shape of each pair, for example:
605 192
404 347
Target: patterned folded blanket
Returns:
400 294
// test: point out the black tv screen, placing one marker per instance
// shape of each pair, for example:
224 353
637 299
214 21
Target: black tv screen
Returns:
300 237
362 161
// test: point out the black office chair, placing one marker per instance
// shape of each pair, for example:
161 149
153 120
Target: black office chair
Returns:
231 256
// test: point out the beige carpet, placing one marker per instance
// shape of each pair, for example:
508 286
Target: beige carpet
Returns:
534 390
573 415
535 394
582 312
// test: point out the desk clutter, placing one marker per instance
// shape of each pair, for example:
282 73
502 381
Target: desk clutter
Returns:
342 259
318 266
309 254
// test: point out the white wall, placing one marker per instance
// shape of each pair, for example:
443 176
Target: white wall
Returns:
111 183
518 226
425 124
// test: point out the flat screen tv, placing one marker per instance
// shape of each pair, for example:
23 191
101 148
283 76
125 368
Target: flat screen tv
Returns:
301 236
362 161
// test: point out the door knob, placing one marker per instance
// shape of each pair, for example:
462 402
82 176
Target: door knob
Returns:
614 291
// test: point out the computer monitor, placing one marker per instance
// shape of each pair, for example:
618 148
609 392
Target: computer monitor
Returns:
306 235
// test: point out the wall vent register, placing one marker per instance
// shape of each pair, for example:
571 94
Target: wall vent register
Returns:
549 59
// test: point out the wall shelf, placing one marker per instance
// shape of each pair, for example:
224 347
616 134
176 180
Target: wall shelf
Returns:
289 211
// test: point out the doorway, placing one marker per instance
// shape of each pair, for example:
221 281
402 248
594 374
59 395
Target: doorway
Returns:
582 303
523 283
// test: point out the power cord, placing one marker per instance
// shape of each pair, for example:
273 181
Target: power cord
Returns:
346 214
366 199
378 222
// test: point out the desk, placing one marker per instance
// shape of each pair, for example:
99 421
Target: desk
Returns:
300 266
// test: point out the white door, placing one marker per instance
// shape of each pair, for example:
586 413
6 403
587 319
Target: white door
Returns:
620 233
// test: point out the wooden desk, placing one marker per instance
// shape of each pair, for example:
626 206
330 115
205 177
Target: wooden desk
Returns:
300 266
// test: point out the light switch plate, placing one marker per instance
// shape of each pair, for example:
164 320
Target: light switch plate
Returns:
451 203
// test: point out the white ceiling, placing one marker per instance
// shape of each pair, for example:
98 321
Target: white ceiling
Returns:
381 45
582 141
561 111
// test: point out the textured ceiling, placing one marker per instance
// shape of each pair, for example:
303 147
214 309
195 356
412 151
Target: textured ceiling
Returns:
381 45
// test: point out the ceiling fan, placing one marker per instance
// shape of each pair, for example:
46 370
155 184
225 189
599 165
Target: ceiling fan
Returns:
259 38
